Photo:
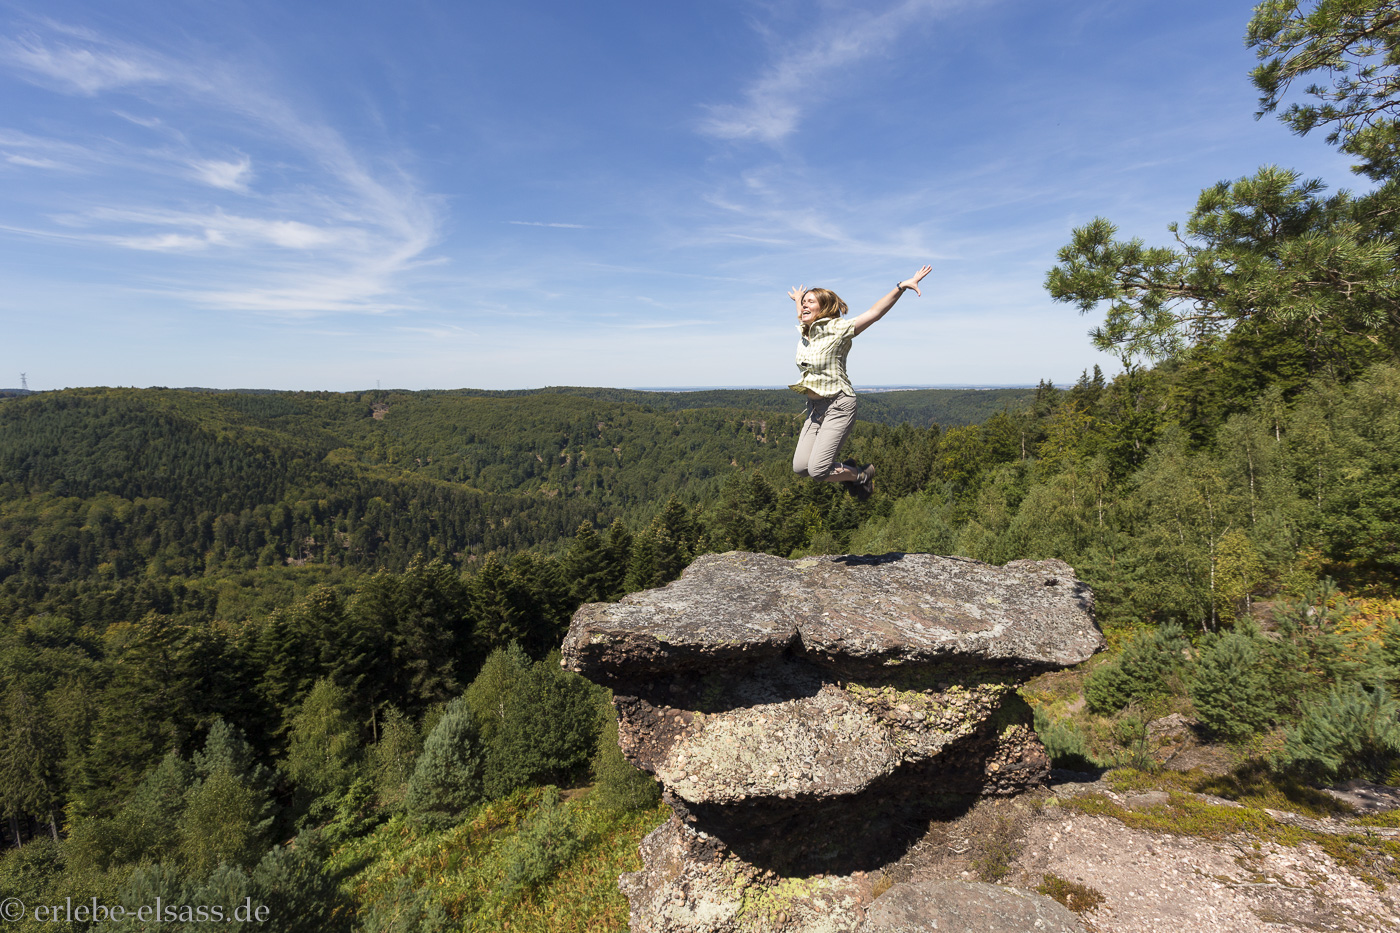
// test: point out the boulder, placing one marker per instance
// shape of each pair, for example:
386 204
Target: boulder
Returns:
807 718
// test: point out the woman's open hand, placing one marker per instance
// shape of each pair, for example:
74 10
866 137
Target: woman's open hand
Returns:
914 280
796 294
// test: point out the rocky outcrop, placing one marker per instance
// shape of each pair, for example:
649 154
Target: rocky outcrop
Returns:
807 718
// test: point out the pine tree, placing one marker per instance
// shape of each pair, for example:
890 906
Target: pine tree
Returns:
617 783
323 747
586 566
489 692
447 780
619 552
1142 673
30 756
548 730
392 758
228 813
1228 687
1351 732
295 885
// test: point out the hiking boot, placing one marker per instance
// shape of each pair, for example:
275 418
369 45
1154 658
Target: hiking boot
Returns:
865 482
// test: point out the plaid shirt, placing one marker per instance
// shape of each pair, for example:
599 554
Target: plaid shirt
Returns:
821 356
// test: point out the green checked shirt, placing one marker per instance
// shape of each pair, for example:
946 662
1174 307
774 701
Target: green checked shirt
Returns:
821 356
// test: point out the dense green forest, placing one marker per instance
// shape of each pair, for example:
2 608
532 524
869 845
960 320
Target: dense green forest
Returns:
298 647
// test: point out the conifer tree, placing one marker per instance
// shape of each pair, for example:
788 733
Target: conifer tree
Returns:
619 784
642 572
1228 687
228 813
30 757
586 566
147 827
448 778
298 888
1350 732
1142 673
619 553
323 747
392 758
548 730
489 693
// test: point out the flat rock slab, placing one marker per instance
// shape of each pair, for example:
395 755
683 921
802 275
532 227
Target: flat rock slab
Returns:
849 613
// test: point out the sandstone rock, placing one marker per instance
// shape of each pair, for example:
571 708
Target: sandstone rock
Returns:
845 612
806 720
966 905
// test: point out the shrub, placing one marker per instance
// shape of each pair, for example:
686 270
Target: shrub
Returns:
1229 688
1064 743
545 842
619 784
1351 732
447 781
393 757
1142 673
547 732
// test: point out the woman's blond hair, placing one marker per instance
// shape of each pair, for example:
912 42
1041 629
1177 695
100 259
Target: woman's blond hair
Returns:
829 304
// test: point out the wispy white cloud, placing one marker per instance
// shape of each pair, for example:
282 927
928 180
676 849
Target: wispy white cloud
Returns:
341 242
87 70
806 66
32 162
232 176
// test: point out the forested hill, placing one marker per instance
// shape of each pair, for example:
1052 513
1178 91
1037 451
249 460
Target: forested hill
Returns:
920 407
116 481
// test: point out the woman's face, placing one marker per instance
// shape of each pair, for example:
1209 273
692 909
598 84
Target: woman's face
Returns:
811 308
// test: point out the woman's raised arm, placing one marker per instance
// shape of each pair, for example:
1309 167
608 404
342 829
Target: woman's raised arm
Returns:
878 309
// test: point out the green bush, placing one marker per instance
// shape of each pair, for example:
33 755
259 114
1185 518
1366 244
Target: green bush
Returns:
547 732
1142 673
393 757
545 842
447 780
1064 743
1229 688
619 784
1351 732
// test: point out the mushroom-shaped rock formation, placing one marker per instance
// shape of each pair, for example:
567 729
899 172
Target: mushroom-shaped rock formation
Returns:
806 718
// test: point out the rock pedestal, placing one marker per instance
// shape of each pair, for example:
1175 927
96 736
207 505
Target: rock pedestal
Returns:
807 718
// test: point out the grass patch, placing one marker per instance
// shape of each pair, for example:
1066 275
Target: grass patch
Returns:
1253 784
1079 898
1390 819
404 877
996 830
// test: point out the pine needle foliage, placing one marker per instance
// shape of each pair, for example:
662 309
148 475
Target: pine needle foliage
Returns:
1228 687
1351 732
447 780
617 783
1143 673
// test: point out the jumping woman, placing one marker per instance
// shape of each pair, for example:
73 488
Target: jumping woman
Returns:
831 402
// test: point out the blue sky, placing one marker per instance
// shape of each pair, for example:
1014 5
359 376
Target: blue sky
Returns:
333 195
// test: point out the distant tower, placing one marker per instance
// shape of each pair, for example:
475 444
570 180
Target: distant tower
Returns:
24 382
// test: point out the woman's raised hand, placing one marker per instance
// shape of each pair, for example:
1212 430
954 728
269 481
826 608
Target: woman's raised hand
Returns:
796 294
914 280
